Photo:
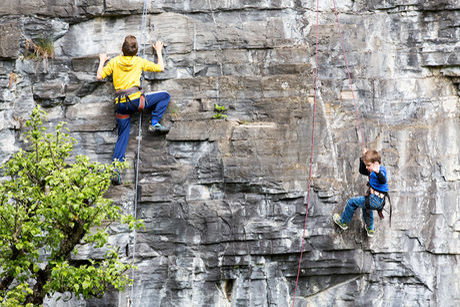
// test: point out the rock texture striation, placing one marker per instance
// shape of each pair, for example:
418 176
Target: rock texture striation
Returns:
223 200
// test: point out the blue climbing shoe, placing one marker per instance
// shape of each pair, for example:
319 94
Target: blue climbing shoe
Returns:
158 129
336 218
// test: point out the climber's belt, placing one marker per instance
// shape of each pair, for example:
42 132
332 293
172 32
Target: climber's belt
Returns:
376 193
125 94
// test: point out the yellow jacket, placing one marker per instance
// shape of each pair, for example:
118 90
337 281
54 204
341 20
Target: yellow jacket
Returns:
127 72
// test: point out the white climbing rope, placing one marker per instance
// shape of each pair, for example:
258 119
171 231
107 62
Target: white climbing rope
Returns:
142 40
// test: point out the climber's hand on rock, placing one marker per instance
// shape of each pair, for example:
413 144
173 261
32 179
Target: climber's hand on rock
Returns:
103 57
158 46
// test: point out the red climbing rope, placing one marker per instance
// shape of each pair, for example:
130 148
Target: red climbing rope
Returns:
312 150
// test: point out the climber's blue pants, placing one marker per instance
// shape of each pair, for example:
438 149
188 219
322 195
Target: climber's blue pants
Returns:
157 102
375 203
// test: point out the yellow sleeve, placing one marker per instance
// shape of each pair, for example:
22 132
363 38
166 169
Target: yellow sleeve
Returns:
150 66
108 69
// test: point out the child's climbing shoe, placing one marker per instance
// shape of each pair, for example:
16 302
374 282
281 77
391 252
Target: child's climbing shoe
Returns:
336 219
158 129
370 232
116 178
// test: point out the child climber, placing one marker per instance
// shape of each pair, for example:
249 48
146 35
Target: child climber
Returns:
126 70
369 165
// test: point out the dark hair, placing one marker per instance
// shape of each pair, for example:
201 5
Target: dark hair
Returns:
129 46
372 156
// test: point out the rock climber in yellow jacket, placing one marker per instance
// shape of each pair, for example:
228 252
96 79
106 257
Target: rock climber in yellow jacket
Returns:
126 70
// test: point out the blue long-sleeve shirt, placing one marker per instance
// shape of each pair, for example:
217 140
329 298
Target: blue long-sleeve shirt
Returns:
378 181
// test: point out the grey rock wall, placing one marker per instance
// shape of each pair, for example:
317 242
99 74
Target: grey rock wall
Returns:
223 200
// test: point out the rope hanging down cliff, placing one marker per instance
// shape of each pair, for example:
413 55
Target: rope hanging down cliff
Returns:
358 126
126 70
312 148
137 188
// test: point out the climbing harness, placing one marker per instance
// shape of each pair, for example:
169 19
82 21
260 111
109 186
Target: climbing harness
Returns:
124 95
383 195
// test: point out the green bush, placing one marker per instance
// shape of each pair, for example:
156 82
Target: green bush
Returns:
49 203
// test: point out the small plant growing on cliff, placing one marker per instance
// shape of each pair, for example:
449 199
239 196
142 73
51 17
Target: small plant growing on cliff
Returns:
173 109
219 111
42 48
49 203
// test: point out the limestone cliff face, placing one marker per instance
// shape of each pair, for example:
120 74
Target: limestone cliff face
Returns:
223 200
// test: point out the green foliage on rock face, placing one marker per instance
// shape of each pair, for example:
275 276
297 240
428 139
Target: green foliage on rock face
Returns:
219 112
49 203
42 48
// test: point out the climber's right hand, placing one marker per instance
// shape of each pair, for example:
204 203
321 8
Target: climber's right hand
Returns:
158 46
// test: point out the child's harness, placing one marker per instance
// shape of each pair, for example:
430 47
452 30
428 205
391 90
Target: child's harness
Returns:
383 195
125 94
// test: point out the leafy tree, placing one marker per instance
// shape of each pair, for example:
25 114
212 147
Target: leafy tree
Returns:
50 203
